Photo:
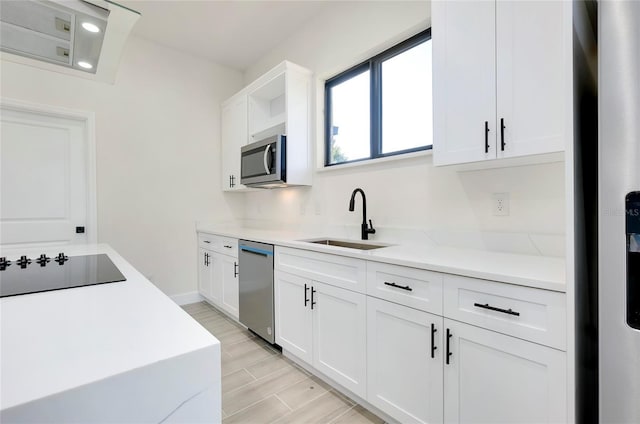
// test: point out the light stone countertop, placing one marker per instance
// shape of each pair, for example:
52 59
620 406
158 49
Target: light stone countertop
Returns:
117 352
526 270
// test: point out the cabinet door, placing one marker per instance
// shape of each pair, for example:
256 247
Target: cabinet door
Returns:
464 81
215 265
493 378
339 336
404 363
229 296
204 273
293 314
234 136
533 72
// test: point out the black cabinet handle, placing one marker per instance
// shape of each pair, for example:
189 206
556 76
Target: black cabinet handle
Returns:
493 308
407 288
502 127
449 335
206 259
235 269
227 246
306 299
312 293
207 241
486 136
433 340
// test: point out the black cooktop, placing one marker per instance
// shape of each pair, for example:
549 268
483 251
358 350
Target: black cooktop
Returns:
26 275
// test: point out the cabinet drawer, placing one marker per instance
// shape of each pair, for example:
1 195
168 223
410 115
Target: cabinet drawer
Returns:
207 241
224 245
228 246
412 287
340 271
528 313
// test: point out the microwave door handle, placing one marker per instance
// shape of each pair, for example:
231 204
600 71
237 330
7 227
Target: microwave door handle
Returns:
264 159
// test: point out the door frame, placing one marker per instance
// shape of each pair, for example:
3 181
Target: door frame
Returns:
88 119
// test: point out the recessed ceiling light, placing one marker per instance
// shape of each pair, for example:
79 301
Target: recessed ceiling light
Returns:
90 27
85 65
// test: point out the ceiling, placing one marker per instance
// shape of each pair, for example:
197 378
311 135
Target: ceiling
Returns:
232 33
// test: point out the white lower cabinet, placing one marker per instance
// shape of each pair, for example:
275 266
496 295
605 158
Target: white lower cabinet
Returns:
204 272
292 315
397 347
325 326
229 283
494 378
209 274
339 335
218 273
404 362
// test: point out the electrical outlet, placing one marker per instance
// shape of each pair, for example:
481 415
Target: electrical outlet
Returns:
500 204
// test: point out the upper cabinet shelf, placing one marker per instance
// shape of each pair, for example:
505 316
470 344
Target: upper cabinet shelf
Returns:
501 86
279 101
267 108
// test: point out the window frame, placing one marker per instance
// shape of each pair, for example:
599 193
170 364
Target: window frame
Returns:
374 66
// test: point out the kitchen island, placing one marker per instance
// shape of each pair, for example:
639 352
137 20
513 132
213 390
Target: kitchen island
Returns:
116 352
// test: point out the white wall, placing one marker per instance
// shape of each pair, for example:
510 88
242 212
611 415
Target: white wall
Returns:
409 193
158 147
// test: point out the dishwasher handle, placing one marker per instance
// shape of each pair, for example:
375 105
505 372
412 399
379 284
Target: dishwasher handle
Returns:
255 250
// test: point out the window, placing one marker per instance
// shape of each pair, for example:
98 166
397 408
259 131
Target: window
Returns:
381 107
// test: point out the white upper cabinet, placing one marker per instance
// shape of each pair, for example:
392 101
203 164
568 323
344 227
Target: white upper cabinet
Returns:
532 74
234 135
464 81
279 102
500 78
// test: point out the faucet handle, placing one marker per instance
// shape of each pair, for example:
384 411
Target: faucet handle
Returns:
371 230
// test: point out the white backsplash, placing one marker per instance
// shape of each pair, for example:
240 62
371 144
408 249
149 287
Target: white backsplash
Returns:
413 201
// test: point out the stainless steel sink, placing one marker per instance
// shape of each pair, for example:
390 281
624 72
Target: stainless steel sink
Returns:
348 244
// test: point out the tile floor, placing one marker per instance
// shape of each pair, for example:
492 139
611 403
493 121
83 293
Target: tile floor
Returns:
259 385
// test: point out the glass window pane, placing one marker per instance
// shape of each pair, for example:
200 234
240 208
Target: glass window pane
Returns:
407 119
349 130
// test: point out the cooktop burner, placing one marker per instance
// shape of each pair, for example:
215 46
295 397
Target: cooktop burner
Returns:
25 275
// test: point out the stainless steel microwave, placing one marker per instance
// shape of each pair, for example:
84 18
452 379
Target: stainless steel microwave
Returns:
263 163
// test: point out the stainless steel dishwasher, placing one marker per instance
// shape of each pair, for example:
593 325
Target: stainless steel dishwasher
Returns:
255 281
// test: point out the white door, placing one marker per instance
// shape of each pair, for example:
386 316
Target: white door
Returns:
234 136
293 314
230 299
404 362
464 81
532 75
493 378
339 336
46 177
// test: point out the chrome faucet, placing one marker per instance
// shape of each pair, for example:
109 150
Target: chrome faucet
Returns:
365 229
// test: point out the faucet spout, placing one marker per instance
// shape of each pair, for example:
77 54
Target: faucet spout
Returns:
365 229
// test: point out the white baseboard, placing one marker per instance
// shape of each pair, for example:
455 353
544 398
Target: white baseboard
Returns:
187 298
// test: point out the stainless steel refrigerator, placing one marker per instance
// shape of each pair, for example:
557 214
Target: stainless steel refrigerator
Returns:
619 199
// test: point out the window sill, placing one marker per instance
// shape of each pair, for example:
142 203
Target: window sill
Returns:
377 161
